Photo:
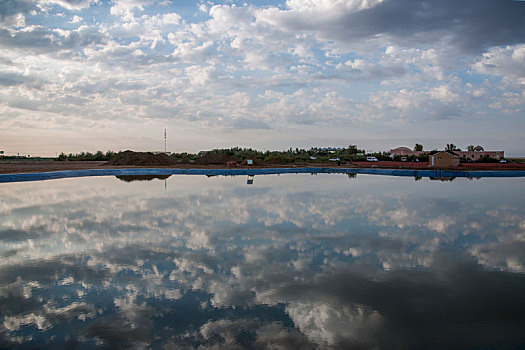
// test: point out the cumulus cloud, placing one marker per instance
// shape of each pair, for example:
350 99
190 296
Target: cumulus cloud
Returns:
330 63
10 10
68 4
457 24
38 39
125 9
505 62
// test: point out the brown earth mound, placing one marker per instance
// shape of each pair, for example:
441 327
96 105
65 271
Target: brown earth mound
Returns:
275 160
255 161
185 160
141 159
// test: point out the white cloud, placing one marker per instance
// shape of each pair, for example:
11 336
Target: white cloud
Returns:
73 5
171 18
506 62
200 75
330 5
125 9
443 94
330 63
76 19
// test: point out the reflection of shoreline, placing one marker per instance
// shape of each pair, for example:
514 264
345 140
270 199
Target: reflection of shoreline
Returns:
256 171
131 178
443 179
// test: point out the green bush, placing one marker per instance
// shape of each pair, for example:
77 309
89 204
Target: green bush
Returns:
86 156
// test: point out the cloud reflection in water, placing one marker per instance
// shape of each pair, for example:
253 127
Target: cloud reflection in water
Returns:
289 262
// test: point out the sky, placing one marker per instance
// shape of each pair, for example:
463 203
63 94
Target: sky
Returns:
87 75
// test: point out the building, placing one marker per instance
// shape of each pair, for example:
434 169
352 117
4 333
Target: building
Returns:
405 152
479 152
443 159
332 149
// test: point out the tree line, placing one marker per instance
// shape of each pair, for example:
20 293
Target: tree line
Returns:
87 156
291 155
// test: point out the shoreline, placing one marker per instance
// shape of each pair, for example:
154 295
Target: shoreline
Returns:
417 173
29 166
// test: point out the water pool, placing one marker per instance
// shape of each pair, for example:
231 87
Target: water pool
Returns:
289 261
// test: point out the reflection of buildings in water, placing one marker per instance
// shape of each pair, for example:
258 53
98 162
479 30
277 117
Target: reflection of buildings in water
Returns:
352 175
250 179
444 179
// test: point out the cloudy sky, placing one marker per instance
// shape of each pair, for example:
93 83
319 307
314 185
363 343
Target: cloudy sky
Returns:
83 75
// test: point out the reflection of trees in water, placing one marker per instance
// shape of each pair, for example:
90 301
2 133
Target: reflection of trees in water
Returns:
417 178
352 175
131 178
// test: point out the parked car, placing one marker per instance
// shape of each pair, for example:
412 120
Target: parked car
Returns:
371 159
336 159
503 161
404 159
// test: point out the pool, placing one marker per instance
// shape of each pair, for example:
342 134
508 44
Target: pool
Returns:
263 261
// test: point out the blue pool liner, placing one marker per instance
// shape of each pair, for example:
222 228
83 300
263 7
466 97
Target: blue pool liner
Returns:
270 171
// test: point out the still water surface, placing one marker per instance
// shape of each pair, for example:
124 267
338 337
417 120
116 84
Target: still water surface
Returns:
288 262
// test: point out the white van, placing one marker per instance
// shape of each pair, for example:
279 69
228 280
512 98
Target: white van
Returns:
371 159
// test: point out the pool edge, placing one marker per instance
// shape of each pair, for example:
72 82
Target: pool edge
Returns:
24 177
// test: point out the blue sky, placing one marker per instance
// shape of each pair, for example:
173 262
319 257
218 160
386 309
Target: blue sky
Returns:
86 75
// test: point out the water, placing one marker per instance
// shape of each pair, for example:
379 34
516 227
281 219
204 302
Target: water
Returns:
287 262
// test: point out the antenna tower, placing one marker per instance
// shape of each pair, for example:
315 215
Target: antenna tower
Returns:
164 140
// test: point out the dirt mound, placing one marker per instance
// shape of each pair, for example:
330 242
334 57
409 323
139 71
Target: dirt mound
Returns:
141 159
255 161
275 160
214 158
185 160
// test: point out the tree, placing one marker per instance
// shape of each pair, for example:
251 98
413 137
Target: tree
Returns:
418 147
451 147
470 148
352 149
62 156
